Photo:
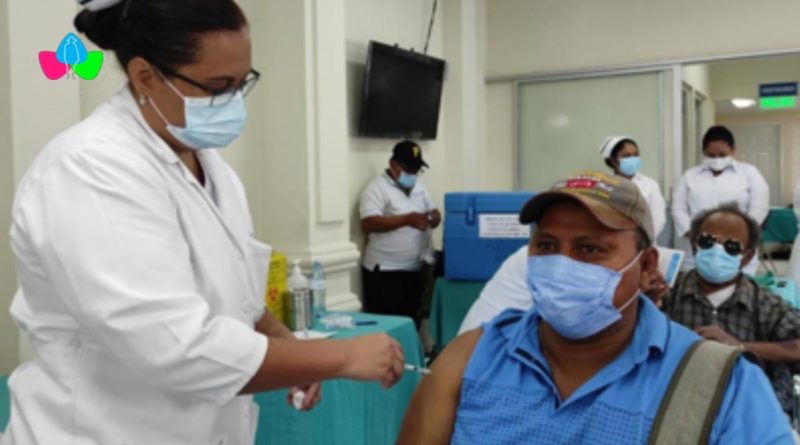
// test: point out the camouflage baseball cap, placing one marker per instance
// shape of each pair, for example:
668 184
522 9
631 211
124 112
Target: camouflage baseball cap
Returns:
615 201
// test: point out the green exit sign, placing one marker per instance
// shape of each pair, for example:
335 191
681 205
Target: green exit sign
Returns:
777 102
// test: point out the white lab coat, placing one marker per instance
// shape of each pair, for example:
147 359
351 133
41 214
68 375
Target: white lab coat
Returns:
655 200
508 288
138 292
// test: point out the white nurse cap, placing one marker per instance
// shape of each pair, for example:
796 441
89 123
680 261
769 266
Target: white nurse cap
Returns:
610 143
96 5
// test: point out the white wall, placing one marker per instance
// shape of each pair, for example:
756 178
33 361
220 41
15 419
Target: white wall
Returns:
528 36
698 77
8 331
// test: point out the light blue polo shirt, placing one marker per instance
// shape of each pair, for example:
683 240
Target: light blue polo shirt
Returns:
508 396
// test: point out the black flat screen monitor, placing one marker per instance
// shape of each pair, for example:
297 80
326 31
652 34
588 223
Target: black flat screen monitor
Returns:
402 93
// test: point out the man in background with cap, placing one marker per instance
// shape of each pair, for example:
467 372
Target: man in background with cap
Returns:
592 360
398 215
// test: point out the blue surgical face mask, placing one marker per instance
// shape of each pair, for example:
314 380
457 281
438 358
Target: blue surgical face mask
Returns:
717 266
207 126
575 298
406 180
630 166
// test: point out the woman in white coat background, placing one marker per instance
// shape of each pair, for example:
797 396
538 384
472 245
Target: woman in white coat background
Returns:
141 286
720 179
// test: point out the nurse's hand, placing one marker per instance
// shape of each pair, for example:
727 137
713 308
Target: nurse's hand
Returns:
312 395
376 357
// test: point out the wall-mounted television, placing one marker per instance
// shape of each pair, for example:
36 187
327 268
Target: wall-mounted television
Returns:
402 93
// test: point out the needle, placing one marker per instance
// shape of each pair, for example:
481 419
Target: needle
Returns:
423 371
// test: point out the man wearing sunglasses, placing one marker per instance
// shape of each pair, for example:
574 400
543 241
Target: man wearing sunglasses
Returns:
721 303
398 215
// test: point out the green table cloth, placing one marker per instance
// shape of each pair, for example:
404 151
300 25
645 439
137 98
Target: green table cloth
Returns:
5 402
451 302
780 226
350 412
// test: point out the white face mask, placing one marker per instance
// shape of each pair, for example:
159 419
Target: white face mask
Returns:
718 164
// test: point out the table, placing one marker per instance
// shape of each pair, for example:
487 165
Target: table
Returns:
450 304
780 226
350 412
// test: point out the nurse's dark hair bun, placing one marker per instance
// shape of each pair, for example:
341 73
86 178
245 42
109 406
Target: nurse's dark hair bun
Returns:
166 33
101 27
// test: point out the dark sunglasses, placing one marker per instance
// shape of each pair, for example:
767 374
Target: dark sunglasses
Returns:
731 246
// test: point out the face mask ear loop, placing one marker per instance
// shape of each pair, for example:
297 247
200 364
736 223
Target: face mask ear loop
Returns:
158 112
169 84
153 103
633 261
625 269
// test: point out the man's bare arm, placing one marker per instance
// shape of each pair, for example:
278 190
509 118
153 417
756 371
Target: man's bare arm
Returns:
431 415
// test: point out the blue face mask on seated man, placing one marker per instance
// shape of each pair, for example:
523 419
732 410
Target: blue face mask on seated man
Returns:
407 180
717 266
207 126
575 298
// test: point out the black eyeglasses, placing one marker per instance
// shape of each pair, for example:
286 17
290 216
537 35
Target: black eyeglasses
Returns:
731 246
219 96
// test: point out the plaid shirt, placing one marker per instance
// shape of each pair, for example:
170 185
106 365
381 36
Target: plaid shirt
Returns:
751 314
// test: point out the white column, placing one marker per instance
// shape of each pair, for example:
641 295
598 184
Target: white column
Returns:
293 156
465 97
8 331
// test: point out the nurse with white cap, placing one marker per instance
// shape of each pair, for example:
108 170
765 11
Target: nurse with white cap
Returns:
621 154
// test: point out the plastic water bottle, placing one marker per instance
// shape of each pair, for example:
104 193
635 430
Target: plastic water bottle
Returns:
318 289
301 315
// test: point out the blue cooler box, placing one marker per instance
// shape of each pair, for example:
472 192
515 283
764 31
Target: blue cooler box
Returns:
481 229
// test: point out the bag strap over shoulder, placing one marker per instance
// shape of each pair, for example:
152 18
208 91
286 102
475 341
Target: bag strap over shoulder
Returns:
690 405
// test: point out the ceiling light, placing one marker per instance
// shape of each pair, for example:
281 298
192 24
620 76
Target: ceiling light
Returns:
743 102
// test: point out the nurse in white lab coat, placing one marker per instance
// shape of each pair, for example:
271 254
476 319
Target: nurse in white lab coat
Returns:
141 286
720 179
621 154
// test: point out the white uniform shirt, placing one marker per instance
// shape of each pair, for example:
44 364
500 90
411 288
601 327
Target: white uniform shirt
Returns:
399 249
508 288
699 190
655 200
138 293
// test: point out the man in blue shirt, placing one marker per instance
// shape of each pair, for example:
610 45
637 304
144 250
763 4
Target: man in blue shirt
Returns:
591 362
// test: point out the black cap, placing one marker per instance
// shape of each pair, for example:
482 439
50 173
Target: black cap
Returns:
409 154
